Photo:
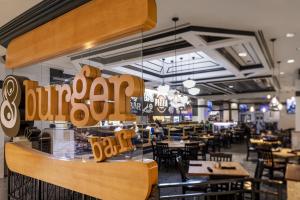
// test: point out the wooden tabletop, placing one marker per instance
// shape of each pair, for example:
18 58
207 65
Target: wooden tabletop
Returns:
206 137
199 168
261 141
179 144
286 153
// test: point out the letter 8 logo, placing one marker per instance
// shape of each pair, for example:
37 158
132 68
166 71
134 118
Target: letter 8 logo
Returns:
9 110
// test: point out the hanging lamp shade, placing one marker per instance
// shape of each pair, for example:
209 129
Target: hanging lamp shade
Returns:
189 83
194 91
163 89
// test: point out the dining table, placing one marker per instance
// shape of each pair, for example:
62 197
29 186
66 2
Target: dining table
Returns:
286 154
217 169
179 144
264 142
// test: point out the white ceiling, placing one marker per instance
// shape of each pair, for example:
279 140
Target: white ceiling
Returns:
274 17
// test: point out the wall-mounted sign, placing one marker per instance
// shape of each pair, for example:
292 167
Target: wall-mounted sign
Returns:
161 103
157 105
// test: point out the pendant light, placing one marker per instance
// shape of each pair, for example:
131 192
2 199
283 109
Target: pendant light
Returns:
163 88
275 104
194 91
189 83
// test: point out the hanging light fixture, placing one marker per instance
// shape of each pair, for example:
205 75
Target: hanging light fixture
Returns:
189 83
163 88
275 104
194 91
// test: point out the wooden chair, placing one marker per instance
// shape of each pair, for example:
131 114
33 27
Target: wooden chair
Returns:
269 162
186 179
220 157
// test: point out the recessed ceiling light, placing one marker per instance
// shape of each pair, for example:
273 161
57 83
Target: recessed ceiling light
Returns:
290 35
243 54
281 73
231 86
290 61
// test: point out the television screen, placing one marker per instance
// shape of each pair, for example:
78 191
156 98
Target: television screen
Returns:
291 105
263 108
209 106
243 107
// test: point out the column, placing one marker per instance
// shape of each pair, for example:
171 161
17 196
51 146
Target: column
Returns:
297 96
202 113
234 112
296 133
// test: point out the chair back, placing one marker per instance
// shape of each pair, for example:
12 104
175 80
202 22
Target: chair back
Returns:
154 150
191 151
220 157
181 169
162 149
266 155
259 169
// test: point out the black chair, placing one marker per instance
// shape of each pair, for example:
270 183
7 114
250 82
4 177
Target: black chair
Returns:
250 148
216 143
154 150
269 162
164 154
186 179
190 151
220 157
202 151
248 185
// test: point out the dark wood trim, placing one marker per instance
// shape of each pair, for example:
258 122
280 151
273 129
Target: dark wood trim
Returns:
163 35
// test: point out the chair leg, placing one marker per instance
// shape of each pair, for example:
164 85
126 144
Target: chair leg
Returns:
247 155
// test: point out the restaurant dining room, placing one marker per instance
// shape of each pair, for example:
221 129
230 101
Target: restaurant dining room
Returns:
149 100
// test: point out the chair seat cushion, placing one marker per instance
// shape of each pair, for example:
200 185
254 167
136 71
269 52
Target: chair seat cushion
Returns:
276 165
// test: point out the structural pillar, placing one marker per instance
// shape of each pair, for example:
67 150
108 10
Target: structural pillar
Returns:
202 111
296 133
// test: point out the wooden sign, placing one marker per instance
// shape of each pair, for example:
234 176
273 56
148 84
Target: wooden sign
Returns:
90 99
106 147
91 24
115 180
109 99
12 107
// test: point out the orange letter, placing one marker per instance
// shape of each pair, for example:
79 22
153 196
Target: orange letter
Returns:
125 86
31 100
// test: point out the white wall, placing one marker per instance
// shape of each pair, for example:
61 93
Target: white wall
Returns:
225 115
286 120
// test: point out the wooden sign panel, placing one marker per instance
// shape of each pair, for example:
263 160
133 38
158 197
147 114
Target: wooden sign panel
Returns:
91 24
126 180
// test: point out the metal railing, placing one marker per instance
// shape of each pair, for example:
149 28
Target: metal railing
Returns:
22 187
269 189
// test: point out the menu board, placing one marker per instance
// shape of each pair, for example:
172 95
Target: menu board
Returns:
157 105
